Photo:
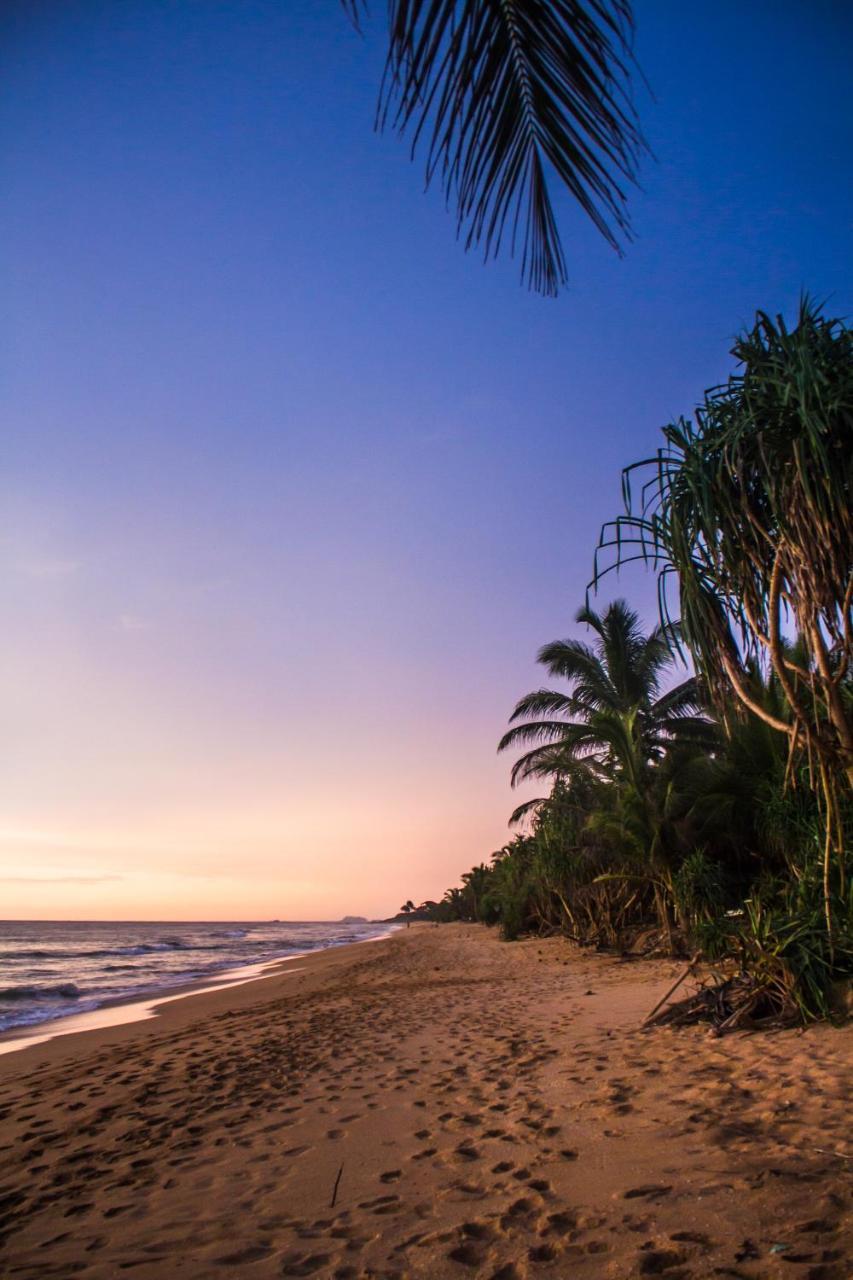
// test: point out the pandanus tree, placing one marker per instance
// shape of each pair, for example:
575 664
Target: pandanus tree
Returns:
507 95
749 508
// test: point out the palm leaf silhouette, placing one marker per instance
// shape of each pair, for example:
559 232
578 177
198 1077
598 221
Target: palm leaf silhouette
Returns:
505 94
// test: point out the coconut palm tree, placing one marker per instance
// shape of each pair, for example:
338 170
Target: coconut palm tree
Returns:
616 724
453 903
506 95
615 720
475 883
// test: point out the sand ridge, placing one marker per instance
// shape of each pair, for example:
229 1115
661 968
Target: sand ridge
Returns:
485 1109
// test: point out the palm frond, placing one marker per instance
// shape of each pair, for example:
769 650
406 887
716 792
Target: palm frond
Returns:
544 702
568 735
573 660
624 650
551 759
687 731
510 92
355 9
522 811
656 656
683 700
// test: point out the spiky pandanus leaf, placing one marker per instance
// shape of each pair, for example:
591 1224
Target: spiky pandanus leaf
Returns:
749 510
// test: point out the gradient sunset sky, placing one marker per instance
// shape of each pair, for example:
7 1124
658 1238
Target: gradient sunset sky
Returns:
292 488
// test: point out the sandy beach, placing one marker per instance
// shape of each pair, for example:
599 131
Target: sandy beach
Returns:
470 1107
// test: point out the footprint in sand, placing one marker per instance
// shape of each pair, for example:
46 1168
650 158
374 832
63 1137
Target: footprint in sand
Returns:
561 1224
476 1189
543 1253
466 1151
306 1265
479 1229
252 1253
380 1204
468 1254
691 1237
657 1262
652 1191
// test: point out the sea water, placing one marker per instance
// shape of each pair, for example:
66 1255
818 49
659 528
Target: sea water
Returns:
49 969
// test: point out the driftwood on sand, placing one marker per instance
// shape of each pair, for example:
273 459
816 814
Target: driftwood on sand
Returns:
728 1003
663 1000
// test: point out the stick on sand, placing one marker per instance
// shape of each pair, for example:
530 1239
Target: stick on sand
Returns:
671 991
335 1189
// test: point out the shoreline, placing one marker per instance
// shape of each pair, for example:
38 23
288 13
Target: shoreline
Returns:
144 1003
443 1105
121 1010
92 1027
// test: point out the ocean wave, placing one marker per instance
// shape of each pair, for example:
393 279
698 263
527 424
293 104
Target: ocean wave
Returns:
39 982
31 1017
104 953
62 991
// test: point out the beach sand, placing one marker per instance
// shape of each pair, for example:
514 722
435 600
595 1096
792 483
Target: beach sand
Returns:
486 1110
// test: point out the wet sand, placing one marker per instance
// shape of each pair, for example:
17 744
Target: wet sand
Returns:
485 1110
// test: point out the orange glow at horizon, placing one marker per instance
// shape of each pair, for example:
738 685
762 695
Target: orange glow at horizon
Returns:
144 785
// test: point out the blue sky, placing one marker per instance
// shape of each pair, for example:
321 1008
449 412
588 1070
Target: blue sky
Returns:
293 487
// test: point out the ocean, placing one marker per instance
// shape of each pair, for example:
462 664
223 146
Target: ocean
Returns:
49 969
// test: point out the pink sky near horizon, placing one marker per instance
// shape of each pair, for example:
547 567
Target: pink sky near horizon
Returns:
162 763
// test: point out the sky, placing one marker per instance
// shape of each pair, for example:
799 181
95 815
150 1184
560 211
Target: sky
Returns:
291 488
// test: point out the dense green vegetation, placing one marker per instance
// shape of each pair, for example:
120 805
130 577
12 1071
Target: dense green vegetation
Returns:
710 812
